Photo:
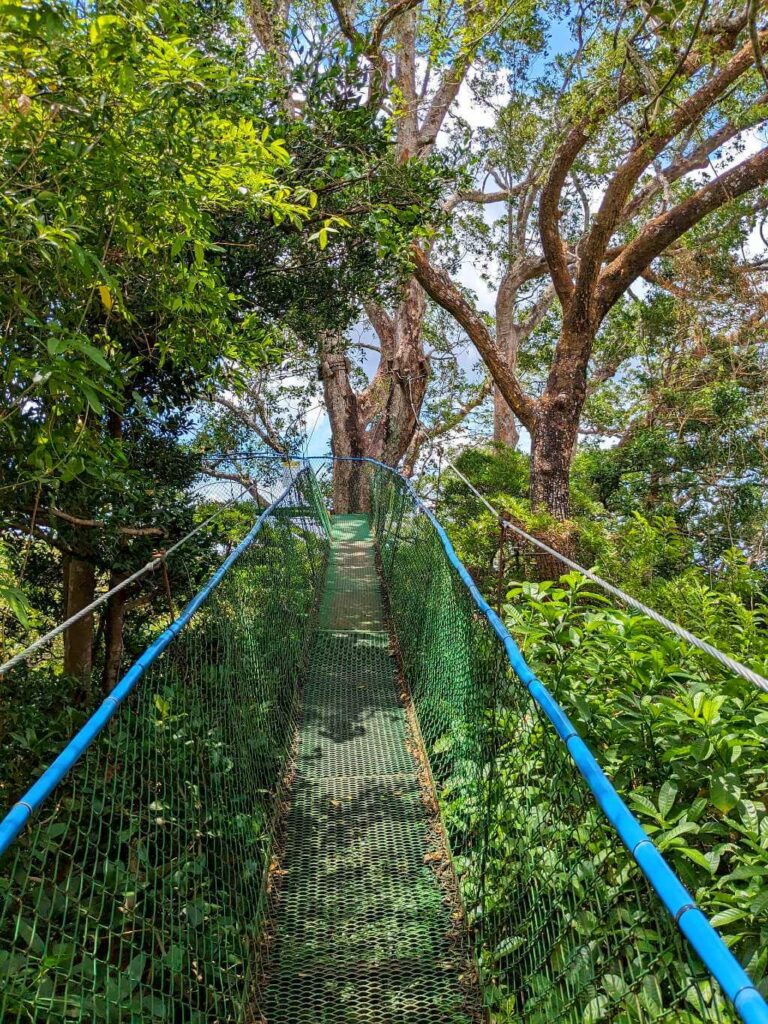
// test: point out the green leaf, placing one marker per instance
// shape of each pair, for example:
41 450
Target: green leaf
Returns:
697 857
137 966
162 705
667 797
93 354
724 792
726 917
92 398
16 601
99 26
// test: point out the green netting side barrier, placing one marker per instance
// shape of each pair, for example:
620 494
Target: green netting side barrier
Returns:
563 923
138 893
141 890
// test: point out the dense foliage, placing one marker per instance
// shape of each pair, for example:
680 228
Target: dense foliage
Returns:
681 738
164 838
411 224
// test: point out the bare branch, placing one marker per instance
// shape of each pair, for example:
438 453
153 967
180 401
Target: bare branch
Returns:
445 94
384 326
661 231
555 250
539 311
261 427
92 524
451 421
478 196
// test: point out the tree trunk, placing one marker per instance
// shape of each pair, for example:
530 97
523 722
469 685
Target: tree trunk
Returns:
79 590
113 633
554 438
505 427
556 428
551 455
394 406
380 421
550 471
505 430
347 431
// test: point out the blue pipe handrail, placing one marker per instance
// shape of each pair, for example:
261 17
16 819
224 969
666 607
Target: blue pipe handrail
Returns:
23 809
690 919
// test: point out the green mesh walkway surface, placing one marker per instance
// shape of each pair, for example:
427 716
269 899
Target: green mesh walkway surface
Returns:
362 927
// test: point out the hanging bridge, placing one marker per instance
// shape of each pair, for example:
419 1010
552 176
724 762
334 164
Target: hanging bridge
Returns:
333 792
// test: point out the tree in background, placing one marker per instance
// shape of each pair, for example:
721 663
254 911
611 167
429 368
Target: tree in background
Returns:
402 65
648 100
688 420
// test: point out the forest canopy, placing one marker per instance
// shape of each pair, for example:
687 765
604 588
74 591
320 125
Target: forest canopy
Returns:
539 228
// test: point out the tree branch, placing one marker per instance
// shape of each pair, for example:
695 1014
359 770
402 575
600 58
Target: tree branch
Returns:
646 149
438 430
661 231
439 286
92 524
555 251
445 94
262 430
476 195
236 478
698 160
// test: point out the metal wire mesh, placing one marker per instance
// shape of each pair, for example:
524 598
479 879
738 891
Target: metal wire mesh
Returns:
139 893
362 925
41 703
564 926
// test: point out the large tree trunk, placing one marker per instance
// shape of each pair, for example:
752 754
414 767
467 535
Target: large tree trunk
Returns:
113 633
551 455
347 431
558 414
554 438
380 421
79 590
395 397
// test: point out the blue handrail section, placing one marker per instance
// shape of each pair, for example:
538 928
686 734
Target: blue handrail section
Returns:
23 809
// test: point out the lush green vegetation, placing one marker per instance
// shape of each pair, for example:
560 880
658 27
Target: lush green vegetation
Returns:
534 235
142 895
681 737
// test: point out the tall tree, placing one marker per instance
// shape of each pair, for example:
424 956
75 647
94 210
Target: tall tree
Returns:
410 60
647 102
127 135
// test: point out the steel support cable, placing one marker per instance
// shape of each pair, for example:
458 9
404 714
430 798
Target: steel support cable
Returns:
154 563
725 659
